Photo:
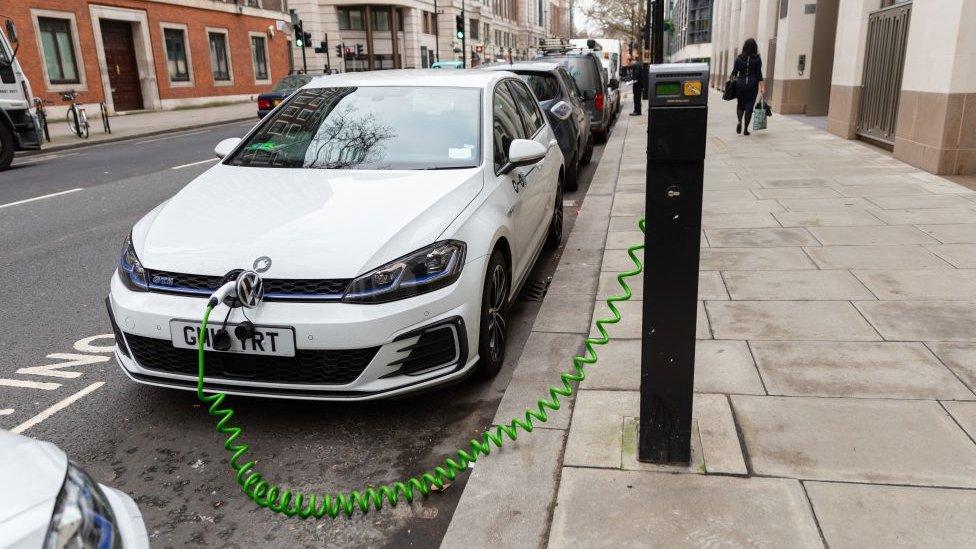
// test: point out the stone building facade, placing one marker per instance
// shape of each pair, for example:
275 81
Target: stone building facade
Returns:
896 73
415 33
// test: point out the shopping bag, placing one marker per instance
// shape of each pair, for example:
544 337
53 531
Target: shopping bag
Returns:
759 115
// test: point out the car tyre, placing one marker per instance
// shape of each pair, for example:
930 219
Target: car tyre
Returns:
572 174
6 147
587 151
555 235
601 137
494 309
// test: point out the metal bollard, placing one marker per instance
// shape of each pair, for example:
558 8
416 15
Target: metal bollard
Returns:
677 121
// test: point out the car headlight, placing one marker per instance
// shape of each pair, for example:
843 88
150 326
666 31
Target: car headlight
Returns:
425 270
82 515
130 268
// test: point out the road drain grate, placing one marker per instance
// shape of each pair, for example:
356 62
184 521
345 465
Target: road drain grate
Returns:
534 290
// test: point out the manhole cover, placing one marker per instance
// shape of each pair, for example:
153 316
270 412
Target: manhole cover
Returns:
534 290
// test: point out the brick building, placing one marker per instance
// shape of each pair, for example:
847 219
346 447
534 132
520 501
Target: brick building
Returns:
151 54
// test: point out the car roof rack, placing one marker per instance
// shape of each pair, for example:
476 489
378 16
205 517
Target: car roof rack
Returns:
555 45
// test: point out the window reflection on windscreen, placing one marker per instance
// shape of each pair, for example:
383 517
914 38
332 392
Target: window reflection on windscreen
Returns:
370 128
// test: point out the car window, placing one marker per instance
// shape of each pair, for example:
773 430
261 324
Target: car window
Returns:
292 82
369 128
506 124
528 107
570 84
584 70
544 86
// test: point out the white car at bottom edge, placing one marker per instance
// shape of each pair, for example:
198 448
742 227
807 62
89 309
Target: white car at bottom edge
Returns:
391 216
50 502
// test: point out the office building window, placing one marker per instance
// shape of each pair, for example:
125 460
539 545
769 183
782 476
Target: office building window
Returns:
474 25
219 62
179 70
59 52
259 54
381 19
351 19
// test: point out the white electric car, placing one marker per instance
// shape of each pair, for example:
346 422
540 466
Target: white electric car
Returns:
48 501
391 215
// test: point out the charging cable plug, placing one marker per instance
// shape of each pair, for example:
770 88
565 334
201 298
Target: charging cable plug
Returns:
218 297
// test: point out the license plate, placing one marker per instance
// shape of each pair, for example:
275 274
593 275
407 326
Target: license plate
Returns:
267 340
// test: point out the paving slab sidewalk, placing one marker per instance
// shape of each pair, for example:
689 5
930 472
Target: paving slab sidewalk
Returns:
143 124
836 363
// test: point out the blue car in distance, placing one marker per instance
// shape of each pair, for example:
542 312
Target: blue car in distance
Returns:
269 100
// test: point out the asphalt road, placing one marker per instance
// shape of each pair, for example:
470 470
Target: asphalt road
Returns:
58 384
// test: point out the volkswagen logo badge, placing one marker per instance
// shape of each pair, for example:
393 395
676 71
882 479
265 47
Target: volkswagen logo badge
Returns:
250 289
261 264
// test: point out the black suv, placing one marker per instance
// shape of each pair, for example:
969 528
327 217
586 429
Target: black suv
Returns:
586 69
562 101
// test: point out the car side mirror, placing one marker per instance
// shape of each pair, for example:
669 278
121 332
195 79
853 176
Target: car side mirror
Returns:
614 84
226 146
523 152
562 110
589 95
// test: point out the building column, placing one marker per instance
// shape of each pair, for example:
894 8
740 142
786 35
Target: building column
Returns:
794 42
936 127
848 73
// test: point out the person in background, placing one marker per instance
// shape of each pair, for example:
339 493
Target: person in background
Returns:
640 80
747 73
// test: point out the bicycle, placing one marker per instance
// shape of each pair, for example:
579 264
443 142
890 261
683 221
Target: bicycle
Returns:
77 118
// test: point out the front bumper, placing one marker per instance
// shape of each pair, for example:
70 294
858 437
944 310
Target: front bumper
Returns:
128 518
344 351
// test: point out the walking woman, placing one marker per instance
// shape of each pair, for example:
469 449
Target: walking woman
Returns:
747 73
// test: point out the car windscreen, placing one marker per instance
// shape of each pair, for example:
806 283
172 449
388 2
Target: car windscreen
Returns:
369 128
544 86
583 69
292 82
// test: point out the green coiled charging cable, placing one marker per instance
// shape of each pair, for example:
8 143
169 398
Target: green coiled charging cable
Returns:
293 503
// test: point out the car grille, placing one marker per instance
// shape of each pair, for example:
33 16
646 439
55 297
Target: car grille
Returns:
334 367
275 289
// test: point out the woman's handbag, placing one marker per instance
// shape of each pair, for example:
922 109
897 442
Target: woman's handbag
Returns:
730 92
759 115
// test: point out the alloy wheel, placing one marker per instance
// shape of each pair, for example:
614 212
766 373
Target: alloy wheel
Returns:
497 292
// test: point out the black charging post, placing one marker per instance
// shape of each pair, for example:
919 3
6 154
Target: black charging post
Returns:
677 120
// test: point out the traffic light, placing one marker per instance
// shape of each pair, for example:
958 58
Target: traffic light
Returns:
359 49
339 50
306 39
459 25
299 36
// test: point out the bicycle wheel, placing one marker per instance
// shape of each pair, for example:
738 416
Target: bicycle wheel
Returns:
83 125
73 123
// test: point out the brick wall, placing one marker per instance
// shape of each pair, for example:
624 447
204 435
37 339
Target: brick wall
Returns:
196 19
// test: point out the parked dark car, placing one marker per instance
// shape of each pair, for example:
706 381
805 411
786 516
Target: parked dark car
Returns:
269 100
585 67
562 101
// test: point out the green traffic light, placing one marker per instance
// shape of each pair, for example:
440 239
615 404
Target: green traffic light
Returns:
460 34
299 43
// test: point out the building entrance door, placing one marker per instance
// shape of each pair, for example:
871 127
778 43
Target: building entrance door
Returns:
120 60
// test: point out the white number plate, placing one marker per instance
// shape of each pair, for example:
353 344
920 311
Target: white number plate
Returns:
266 340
